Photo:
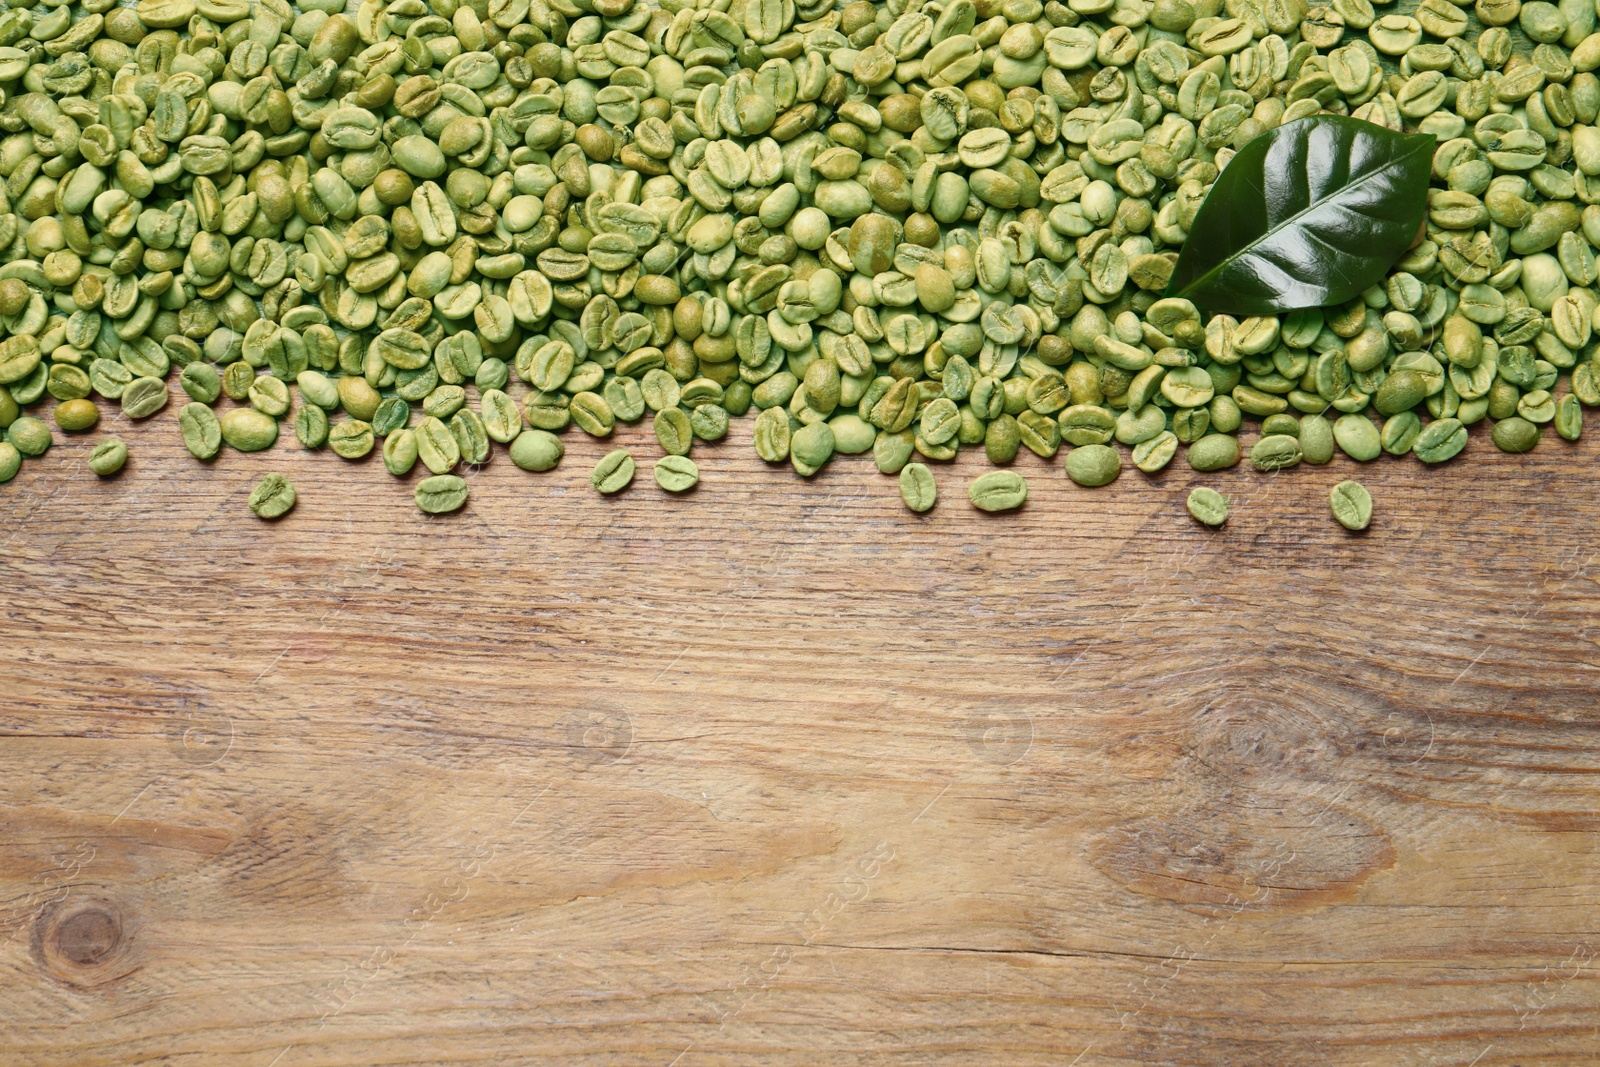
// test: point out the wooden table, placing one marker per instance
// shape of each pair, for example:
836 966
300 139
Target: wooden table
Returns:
779 773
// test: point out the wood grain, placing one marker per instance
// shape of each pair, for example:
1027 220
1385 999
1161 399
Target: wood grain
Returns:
778 773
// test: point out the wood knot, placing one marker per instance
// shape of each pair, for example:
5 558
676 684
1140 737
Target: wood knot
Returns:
83 941
86 937
1286 732
1271 852
1264 735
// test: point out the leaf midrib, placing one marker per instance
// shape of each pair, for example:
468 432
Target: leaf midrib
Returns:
1291 219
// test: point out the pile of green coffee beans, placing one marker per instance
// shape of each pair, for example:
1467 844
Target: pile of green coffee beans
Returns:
895 228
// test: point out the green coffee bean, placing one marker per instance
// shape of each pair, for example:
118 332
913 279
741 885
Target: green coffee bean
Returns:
1214 452
471 436
1093 465
1001 490
676 474
1002 438
1569 418
267 395
853 435
202 434
201 382
1515 434
19 356
236 380
144 397
31 388
1256 402
1440 440
660 390
351 439
1351 505
12 461
891 451
272 496
1275 452
917 487
536 450
442 403
315 388
416 385
76 415
493 374
614 472
1208 506
437 447
29 436
771 434
108 457
502 419
1087 424
1357 437
108 379
358 398
440 494
1399 432
248 430
625 399
392 414
311 427
1537 406
810 448
1316 440
1399 392
592 414
1280 423
1155 453
399 452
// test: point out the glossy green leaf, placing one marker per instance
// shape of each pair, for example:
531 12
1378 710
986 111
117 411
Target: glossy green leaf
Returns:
1306 215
